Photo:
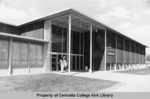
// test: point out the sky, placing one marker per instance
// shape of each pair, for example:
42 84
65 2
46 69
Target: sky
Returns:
130 17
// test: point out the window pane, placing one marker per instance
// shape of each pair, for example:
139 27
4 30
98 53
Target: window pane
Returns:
24 53
39 52
15 53
1 50
81 43
76 38
64 40
56 39
33 52
5 49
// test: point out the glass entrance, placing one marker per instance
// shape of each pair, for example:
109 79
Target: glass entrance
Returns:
55 61
77 51
60 48
77 63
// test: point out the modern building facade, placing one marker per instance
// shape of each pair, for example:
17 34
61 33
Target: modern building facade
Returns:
37 46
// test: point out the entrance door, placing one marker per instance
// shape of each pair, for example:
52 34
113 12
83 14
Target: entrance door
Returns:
55 62
77 63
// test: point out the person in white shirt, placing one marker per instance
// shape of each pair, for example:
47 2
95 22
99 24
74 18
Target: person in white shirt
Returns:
63 63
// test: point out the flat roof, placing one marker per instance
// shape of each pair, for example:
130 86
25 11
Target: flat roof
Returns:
80 15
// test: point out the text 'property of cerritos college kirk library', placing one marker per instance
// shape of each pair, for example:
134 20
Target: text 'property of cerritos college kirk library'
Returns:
38 45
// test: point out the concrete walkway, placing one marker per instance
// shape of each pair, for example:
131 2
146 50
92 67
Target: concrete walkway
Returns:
129 82
138 86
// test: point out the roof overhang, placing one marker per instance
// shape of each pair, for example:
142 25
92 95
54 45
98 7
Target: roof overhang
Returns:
24 38
78 19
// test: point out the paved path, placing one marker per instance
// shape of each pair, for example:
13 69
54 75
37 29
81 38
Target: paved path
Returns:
139 86
129 82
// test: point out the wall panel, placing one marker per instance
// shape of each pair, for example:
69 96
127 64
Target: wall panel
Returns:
2 28
98 49
9 29
111 46
127 52
119 49
35 30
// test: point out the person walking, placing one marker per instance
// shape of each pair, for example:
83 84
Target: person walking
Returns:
63 63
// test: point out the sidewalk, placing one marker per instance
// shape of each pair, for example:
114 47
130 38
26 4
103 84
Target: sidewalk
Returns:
129 82
139 86
113 76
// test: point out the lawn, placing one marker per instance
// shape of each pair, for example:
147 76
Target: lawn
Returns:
144 71
51 83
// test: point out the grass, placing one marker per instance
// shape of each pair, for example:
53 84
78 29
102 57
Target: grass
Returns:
144 71
51 83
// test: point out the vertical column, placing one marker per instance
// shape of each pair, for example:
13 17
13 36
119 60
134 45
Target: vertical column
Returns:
47 46
10 53
116 54
90 69
123 54
144 56
139 56
69 51
130 54
29 57
105 61
83 52
134 56
80 52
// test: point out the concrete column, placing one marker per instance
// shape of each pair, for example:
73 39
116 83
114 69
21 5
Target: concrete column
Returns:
91 56
47 46
9 61
69 45
29 57
129 54
105 61
123 53
116 54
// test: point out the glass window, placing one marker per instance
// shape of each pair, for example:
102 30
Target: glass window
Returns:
19 54
2 27
32 54
81 43
64 40
39 55
76 42
36 55
24 53
15 53
4 52
56 39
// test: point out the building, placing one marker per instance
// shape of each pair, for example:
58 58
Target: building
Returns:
147 59
37 46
